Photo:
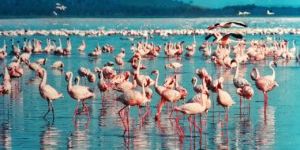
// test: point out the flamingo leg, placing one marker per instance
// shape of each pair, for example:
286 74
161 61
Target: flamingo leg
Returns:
49 108
266 98
52 108
240 105
190 124
76 109
159 108
180 130
122 119
145 115
195 125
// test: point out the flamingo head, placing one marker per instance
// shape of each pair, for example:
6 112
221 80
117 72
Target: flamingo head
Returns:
183 92
45 60
202 73
97 70
148 93
122 50
273 63
68 76
168 66
154 72
233 63
194 80
127 74
40 72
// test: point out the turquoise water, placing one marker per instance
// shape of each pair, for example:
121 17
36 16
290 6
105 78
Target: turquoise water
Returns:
22 125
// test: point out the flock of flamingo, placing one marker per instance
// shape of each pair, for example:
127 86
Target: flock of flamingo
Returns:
136 89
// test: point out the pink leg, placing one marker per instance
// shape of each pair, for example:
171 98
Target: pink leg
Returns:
190 124
180 130
265 98
122 117
195 125
159 108
76 109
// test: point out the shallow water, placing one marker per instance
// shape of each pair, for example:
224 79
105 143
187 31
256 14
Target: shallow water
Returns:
22 127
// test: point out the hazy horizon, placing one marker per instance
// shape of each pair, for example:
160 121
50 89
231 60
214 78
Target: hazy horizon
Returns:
224 3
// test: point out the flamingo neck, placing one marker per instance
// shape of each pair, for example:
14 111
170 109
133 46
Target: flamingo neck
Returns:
237 70
273 71
156 80
60 45
195 83
101 75
138 67
44 79
204 83
70 82
78 80
143 90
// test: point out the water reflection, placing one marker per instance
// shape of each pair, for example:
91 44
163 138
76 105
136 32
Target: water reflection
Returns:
50 137
265 130
79 138
5 136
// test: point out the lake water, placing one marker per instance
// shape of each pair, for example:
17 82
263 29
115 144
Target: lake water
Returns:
275 126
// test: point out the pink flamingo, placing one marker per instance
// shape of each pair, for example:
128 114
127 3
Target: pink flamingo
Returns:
119 58
79 93
167 95
5 88
142 79
132 98
48 93
102 84
224 99
265 83
240 82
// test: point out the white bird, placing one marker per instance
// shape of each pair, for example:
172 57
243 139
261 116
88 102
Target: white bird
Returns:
270 13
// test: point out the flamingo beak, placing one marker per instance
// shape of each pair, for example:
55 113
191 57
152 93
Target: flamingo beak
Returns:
275 64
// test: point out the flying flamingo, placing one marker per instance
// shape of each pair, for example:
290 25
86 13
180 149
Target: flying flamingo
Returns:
265 83
227 25
48 93
79 93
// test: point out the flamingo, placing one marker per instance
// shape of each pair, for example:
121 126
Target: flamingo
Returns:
5 88
57 65
196 88
167 95
82 46
48 93
41 61
227 25
119 58
132 98
174 65
240 82
223 39
79 93
224 99
142 79
265 83
102 85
